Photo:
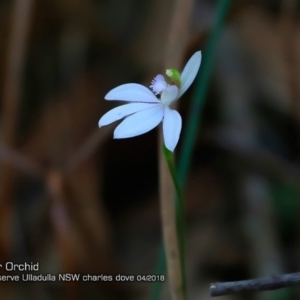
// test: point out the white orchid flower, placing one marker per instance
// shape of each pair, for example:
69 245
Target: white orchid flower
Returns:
147 110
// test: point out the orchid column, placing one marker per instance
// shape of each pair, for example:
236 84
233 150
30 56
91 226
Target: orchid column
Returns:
144 112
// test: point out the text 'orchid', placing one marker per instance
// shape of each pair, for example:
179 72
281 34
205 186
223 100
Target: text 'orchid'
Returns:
150 108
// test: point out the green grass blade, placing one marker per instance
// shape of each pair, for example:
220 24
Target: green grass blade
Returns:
201 88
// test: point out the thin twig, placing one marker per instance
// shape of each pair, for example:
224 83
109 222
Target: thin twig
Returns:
259 284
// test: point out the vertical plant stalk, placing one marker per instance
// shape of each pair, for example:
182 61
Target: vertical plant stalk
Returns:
176 43
171 243
192 128
179 213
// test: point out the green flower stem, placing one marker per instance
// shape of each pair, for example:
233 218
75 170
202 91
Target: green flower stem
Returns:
189 138
180 213
160 269
170 228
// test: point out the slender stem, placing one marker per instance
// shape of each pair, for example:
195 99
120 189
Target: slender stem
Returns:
170 232
179 205
194 119
179 211
160 269
259 284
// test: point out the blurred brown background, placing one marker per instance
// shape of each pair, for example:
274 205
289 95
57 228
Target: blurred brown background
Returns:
77 201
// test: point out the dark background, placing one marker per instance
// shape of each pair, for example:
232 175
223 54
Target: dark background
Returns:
77 201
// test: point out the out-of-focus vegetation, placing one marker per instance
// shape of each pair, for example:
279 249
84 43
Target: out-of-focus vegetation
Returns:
77 201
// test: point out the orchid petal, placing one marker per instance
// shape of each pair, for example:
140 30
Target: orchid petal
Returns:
131 92
169 94
171 128
189 72
140 122
122 111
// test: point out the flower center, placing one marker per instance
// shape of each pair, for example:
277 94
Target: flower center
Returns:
166 91
158 84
